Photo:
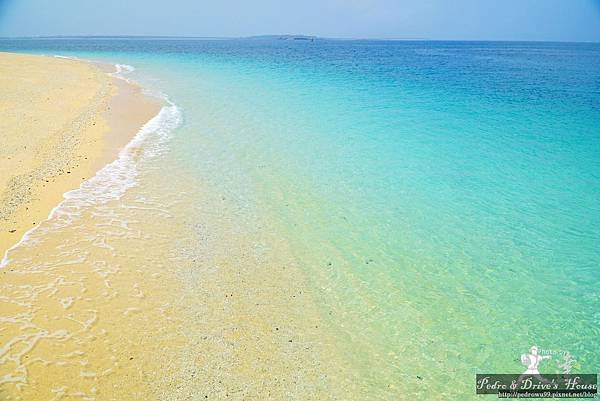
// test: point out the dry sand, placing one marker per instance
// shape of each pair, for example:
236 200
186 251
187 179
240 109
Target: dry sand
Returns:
60 121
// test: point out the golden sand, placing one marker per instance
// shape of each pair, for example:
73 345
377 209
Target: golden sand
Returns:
156 295
60 121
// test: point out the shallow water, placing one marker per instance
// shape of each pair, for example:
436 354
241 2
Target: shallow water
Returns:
435 205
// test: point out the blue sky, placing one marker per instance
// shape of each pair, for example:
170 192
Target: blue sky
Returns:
561 20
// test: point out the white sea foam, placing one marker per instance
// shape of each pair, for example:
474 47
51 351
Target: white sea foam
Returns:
122 70
114 179
67 57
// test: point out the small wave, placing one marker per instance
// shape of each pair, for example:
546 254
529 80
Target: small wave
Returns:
121 71
114 179
124 68
67 57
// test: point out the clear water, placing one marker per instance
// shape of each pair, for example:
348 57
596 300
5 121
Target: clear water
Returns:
441 198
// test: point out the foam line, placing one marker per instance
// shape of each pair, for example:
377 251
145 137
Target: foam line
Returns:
114 179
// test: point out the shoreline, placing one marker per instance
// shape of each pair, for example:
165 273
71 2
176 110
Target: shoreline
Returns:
77 124
74 313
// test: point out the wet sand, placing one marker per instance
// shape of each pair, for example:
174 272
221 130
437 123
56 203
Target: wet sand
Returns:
174 291
60 121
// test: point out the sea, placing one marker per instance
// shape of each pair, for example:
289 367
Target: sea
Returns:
322 219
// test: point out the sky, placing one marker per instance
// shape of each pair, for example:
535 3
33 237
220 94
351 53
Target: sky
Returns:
546 20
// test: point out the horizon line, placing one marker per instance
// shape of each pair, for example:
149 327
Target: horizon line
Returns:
286 36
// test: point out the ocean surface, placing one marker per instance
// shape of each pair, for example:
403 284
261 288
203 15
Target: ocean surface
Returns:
438 204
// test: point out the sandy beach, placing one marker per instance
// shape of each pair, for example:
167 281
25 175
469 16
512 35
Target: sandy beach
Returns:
114 298
60 121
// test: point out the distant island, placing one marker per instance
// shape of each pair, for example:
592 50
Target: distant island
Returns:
285 37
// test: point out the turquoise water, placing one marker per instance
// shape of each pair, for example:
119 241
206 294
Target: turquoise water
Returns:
442 198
